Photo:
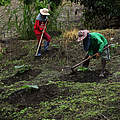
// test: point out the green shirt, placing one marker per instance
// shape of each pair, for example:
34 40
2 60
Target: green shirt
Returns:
97 43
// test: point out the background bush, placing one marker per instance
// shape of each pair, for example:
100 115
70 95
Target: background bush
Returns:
4 2
101 14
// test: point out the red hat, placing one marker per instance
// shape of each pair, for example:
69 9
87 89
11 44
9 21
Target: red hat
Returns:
82 34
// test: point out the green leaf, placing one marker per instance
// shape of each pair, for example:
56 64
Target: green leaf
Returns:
30 86
55 46
82 69
18 67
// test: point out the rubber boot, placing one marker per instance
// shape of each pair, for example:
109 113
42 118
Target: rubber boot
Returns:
46 44
39 52
103 62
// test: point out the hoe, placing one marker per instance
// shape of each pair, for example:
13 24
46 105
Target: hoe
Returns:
75 66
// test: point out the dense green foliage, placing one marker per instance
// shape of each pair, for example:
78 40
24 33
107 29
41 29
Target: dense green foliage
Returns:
54 4
23 26
4 2
100 13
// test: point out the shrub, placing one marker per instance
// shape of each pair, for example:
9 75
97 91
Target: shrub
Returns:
4 2
100 13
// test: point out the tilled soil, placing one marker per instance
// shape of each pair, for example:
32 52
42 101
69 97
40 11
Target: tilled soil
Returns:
32 96
25 76
84 77
54 59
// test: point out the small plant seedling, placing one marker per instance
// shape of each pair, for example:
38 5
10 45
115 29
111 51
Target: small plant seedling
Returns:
1 55
23 68
115 45
82 69
55 46
30 86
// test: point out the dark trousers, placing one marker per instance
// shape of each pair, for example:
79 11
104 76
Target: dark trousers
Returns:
86 63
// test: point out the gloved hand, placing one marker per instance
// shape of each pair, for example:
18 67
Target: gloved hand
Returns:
97 55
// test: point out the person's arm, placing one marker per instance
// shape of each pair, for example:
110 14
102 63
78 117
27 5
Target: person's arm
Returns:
38 25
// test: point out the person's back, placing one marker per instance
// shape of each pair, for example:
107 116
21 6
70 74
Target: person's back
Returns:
97 43
99 37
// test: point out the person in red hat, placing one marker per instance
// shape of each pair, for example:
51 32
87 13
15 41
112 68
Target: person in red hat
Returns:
94 43
39 25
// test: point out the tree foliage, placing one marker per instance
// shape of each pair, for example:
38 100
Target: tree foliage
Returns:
4 2
99 13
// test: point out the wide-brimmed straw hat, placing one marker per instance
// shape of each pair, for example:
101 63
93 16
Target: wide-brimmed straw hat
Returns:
82 34
44 11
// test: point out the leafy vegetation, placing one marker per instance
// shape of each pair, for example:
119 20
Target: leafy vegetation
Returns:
99 14
82 69
1 56
4 2
30 86
22 68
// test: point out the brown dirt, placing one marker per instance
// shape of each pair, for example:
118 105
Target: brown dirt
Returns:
82 77
30 96
46 92
27 76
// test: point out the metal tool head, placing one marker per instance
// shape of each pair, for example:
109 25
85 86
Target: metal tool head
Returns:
68 70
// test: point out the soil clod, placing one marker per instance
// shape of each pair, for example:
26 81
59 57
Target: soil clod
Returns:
27 75
29 96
